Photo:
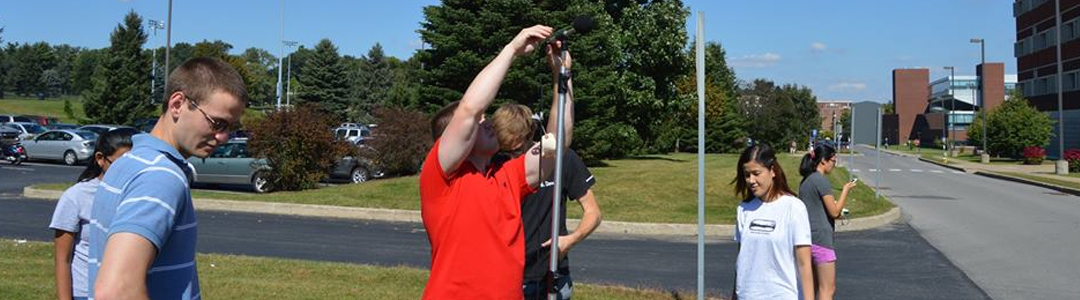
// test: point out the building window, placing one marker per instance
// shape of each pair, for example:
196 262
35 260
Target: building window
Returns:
1070 82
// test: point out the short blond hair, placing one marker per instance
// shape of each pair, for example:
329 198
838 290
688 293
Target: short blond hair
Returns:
513 126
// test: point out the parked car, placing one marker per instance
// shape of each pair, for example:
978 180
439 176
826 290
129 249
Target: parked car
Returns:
231 163
355 169
57 126
8 135
352 132
14 118
69 146
42 120
27 130
145 125
102 128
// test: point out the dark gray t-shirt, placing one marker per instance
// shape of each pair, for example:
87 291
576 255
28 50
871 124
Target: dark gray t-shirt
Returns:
811 191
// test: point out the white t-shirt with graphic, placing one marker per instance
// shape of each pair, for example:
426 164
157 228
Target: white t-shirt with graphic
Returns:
767 234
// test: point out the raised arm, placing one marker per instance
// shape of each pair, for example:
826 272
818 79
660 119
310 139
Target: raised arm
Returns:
457 140
554 61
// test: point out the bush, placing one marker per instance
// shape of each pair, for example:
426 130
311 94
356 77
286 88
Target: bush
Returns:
298 146
1034 155
401 141
1010 127
1073 157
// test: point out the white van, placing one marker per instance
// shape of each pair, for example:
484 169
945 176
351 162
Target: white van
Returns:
352 132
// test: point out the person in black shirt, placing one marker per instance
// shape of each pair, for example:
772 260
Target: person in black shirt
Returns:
516 131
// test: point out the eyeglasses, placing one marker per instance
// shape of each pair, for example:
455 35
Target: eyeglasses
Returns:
215 125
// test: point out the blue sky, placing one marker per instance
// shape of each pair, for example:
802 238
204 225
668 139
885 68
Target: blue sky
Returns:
842 49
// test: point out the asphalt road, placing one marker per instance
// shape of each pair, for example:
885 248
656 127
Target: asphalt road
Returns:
891 262
1015 241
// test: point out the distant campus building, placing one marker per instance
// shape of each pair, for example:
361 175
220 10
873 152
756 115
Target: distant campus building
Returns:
927 111
1036 62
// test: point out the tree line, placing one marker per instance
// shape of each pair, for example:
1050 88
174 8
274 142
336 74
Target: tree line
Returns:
634 80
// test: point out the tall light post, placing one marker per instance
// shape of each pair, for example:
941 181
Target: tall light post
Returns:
985 157
154 25
1061 167
168 45
281 55
948 114
288 77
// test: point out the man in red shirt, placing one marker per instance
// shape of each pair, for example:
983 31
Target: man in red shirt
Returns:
472 209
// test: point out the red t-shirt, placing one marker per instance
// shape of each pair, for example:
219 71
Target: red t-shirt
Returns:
473 222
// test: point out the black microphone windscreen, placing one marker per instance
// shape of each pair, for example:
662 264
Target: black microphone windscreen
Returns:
583 24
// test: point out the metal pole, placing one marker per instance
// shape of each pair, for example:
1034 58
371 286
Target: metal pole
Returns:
556 206
982 95
288 81
700 59
851 144
952 108
281 53
168 45
1062 166
877 143
153 70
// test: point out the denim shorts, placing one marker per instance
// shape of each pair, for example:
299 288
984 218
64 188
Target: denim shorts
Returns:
535 289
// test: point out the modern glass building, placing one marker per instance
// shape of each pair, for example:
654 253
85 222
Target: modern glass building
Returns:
961 100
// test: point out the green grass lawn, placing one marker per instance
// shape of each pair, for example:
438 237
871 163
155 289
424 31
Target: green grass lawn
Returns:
52 107
658 188
27 273
1042 179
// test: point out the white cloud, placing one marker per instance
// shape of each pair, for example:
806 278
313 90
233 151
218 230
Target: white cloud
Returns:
818 47
848 86
756 60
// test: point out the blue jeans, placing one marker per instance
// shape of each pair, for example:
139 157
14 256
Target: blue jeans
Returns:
534 290
79 298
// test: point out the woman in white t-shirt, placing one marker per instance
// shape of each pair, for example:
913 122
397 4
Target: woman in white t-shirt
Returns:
772 231
72 216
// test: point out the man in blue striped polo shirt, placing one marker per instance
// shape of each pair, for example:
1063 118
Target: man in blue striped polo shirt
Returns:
143 225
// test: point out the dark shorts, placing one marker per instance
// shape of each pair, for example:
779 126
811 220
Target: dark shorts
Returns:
534 290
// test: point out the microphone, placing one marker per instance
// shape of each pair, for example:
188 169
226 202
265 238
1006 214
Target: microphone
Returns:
581 25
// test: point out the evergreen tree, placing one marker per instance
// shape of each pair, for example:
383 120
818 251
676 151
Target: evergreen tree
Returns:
621 80
28 64
325 82
371 78
120 94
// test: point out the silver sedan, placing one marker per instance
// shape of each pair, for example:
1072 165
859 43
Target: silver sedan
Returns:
69 146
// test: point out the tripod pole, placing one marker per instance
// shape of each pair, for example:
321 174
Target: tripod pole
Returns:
556 202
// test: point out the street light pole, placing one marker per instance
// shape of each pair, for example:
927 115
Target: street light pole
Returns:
281 54
1061 167
985 157
948 115
288 77
154 25
168 44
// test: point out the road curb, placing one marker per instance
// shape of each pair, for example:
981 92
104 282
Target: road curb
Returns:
944 165
1063 189
393 215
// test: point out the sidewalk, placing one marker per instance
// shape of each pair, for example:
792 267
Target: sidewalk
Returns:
1038 175
608 228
